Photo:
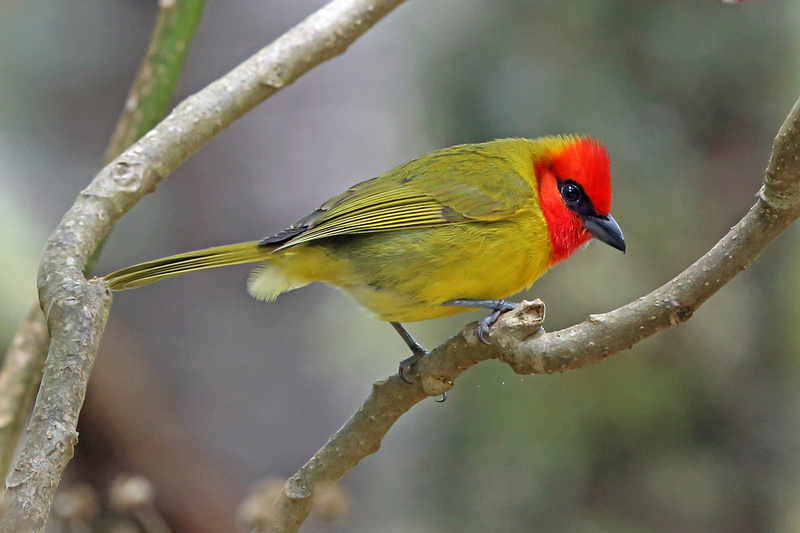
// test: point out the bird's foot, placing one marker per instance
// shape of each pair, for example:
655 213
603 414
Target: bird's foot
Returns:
406 364
417 351
498 307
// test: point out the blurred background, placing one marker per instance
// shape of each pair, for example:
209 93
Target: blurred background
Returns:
206 391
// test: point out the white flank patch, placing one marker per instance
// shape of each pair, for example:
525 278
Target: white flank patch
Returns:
266 282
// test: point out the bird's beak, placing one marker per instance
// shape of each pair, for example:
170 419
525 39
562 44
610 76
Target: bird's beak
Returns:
605 229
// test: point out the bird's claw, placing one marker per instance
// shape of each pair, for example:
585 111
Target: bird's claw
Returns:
483 329
485 324
406 364
417 353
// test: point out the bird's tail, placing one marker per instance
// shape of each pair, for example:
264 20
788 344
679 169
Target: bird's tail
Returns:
174 265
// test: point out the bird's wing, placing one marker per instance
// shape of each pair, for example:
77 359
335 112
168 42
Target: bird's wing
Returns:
451 186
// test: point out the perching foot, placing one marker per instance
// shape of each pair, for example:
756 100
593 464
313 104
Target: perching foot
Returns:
417 351
498 307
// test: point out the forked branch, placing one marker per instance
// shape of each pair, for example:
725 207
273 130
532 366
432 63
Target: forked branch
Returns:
76 309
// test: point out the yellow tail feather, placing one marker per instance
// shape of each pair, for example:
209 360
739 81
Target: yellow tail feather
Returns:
167 267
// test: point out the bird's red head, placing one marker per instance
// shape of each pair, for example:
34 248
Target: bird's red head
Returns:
575 195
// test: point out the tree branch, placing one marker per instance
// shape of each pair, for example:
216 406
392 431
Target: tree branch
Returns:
158 75
76 309
148 102
19 380
517 340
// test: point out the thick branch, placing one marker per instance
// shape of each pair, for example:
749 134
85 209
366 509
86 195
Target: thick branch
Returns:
148 102
76 310
517 340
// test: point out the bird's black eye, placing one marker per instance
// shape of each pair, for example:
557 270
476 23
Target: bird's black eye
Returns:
571 193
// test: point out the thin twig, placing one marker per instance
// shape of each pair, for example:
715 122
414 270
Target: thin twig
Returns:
76 309
517 340
157 78
148 102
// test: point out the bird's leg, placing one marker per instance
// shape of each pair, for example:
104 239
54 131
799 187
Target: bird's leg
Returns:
498 307
417 351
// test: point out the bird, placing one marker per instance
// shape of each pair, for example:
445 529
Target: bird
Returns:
460 228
